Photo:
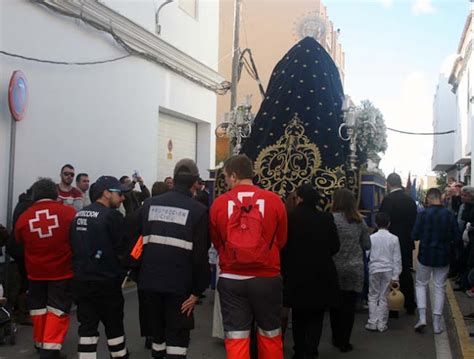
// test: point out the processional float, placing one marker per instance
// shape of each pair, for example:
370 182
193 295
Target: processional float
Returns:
304 132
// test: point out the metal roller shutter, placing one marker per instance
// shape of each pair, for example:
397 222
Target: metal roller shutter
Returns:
183 135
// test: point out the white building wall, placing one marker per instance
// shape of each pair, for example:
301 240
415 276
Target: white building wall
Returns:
462 124
444 119
463 116
470 99
103 119
195 36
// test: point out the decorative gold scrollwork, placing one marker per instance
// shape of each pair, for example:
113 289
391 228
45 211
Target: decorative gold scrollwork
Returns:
294 160
220 186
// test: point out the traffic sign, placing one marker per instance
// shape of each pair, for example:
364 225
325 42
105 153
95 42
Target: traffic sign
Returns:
18 95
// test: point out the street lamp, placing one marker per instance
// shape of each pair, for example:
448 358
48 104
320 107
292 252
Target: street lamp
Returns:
350 116
459 167
236 125
356 118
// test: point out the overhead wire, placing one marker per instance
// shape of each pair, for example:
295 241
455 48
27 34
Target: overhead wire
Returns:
69 63
251 68
221 89
242 19
421 133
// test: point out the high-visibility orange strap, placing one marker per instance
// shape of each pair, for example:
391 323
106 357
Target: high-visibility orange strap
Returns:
238 348
270 348
137 249
56 328
39 321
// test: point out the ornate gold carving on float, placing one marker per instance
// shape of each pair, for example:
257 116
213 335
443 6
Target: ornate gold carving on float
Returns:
294 160
291 161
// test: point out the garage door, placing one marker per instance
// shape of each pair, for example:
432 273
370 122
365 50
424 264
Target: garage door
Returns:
179 135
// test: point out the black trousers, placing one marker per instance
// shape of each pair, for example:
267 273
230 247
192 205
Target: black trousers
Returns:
171 328
406 280
307 329
243 301
342 318
100 301
146 329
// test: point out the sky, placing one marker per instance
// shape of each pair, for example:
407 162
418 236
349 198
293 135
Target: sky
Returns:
395 50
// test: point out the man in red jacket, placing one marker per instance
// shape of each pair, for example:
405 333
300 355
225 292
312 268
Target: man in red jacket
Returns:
249 228
44 232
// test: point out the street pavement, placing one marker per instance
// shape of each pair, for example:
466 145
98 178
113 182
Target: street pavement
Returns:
399 342
466 306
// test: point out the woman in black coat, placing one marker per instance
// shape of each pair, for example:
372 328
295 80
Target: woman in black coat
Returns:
310 277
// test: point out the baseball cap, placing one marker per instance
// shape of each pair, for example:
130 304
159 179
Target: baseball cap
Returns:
186 166
109 183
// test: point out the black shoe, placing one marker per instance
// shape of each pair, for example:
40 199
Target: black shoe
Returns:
52 353
305 356
148 342
392 314
469 316
345 348
298 356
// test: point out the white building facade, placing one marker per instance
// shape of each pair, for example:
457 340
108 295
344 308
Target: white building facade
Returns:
143 112
444 119
453 109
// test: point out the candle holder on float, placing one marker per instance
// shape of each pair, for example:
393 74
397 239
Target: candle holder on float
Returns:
237 126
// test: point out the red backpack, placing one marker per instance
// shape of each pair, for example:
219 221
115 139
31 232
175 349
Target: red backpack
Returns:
245 247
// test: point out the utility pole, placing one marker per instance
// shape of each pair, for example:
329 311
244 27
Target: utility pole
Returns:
235 55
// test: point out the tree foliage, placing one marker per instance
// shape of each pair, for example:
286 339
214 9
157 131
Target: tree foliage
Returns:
370 130
441 180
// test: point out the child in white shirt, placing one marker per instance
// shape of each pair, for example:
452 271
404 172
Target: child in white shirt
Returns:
385 266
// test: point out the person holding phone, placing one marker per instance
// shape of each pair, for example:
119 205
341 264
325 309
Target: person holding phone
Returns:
134 199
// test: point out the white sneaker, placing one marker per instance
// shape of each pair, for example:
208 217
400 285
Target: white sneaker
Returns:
420 326
437 328
382 328
371 327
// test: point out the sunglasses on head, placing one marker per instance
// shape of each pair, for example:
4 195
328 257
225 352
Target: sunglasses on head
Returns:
115 190
69 174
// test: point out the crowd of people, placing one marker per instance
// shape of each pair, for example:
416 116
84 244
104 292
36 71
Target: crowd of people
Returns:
81 244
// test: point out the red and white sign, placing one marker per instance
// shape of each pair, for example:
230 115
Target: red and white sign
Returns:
18 95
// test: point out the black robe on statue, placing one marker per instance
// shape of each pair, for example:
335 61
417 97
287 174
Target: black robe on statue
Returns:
295 135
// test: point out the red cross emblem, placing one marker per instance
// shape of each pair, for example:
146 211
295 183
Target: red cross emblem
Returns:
44 223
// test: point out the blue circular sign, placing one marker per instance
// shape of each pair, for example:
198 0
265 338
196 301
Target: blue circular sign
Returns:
18 95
